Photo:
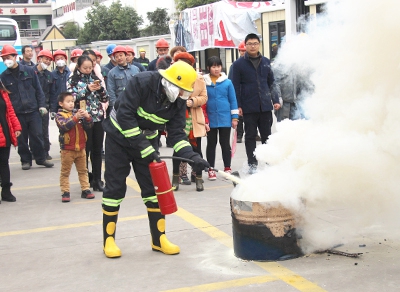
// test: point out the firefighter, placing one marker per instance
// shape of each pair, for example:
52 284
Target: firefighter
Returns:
150 99
162 48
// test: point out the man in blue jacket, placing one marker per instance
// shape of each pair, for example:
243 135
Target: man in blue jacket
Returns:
59 76
253 80
28 100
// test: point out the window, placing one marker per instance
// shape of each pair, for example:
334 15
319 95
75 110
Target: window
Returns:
276 36
34 24
7 32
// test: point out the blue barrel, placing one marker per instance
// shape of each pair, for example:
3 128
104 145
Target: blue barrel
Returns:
263 232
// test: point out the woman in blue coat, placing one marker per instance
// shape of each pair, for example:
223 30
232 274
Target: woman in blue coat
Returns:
223 113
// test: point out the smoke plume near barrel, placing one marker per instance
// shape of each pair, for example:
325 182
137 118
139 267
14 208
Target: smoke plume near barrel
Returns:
346 155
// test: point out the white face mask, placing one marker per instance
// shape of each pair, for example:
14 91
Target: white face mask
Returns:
171 90
60 63
9 63
43 65
185 95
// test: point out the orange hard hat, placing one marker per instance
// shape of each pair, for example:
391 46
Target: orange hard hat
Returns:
60 53
8 50
76 53
98 54
162 43
45 53
129 49
119 49
242 46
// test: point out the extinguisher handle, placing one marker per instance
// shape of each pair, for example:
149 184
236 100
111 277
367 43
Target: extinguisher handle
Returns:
177 158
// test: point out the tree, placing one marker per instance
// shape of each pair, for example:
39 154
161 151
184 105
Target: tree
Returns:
71 30
110 23
159 20
183 4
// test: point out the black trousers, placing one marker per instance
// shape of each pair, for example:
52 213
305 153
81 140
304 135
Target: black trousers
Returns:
253 121
31 124
176 162
224 141
239 128
4 165
45 130
120 156
94 146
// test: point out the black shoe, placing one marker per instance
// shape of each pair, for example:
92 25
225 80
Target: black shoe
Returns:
98 185
45 163
199 184
48 157
87 194
184 180
26 166
65 197
6 194
239 140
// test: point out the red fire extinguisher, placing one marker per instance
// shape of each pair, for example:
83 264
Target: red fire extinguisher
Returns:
163 188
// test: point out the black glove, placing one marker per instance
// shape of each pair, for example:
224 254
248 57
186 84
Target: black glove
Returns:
200 164
153 157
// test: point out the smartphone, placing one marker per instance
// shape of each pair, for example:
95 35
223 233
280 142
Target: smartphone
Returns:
97 82
82 105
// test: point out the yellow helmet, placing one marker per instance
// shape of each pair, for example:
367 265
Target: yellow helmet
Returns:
142 50
180 74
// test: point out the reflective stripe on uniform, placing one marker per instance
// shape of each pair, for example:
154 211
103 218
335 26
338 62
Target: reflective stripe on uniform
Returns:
155 119
127 133
152 199
149 137
111 202
147 151
178 146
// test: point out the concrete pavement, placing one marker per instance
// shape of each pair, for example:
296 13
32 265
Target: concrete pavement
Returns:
46 245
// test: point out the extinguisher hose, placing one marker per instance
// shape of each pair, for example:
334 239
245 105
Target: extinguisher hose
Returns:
177 158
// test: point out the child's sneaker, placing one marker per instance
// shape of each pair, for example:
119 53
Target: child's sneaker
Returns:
65 198
227 170
87 194
212 175
184 180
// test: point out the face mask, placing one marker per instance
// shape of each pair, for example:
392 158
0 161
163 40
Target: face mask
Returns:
43 65
9 63
60 63
185 95
171 90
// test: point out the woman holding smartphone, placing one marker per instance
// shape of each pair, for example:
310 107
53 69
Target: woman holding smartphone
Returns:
85 85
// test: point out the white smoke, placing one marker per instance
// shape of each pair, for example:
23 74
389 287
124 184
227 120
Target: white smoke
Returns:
347 154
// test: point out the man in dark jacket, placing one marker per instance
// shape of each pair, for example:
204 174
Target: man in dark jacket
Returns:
27 55
162 48
253 80
149 100
46 81
28 101
60 76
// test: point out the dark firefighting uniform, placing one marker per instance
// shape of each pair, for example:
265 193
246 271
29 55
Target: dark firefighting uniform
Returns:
132 138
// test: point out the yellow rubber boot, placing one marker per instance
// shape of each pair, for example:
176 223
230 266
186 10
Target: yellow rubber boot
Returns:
160 241
111 250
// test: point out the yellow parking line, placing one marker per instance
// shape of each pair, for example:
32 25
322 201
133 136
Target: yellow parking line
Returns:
60 227
226 284
273 268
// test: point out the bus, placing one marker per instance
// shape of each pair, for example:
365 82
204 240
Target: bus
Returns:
9 35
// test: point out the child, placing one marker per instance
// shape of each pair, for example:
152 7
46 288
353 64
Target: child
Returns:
10 129
72 143
223 113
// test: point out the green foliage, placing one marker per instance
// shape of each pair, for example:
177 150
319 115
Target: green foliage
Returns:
71 30
183 4
158 23
110 23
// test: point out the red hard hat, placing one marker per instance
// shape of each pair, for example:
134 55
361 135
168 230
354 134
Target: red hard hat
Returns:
119 49
76 53
98 54
129 49
60 53
162 43
242 46
8 50
45 53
